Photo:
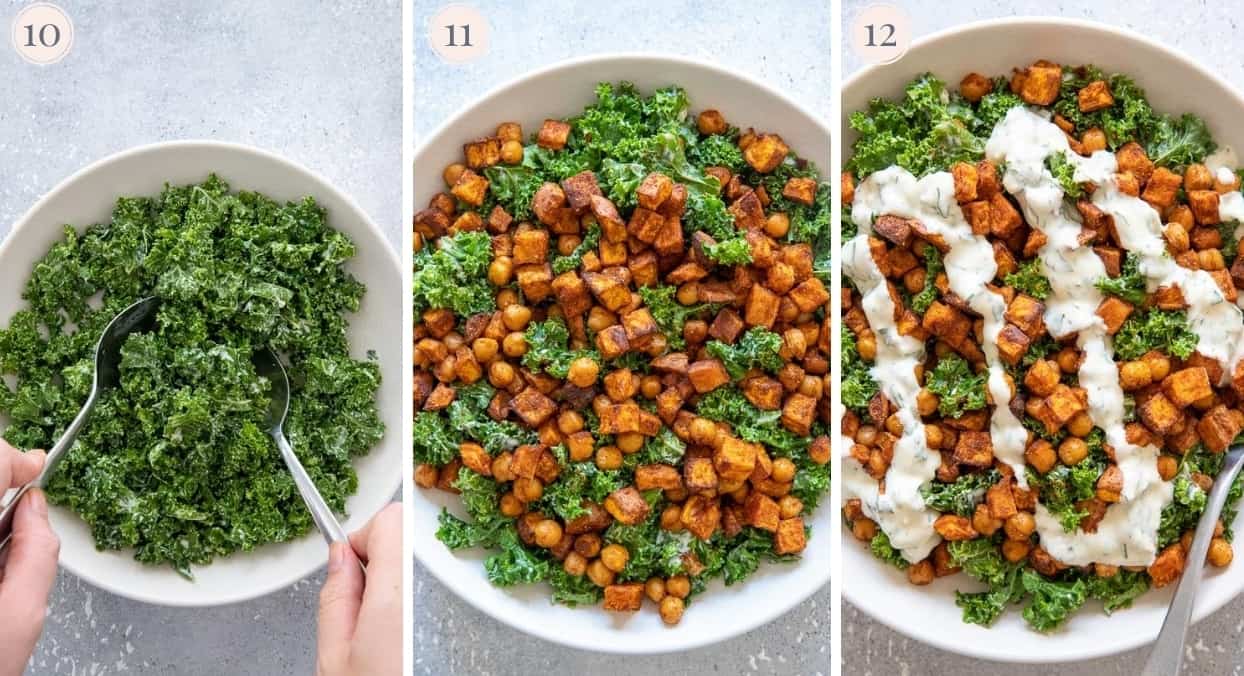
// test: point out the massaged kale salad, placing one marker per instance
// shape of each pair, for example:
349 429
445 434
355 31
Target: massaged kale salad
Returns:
176 462
622 351
1110 322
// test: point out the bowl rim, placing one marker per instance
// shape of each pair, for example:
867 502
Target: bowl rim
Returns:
62 186
932 637
438 136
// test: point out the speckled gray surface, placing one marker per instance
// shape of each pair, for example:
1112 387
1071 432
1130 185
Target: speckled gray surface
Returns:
870 648
319 83
450 636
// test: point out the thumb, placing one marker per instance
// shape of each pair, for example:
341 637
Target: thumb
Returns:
340 600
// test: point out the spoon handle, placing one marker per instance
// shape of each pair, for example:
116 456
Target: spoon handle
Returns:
1168 651
49 465
323 516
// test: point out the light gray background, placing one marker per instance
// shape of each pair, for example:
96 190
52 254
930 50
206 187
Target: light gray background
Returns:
785 43
1213 646
318 82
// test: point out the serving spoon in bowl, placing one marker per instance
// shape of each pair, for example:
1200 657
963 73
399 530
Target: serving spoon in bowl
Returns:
268 365
139 316
1168 650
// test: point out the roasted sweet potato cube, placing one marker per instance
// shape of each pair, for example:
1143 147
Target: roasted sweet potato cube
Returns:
748 212
677 202
1012 344
707 375
646 225
810 295
1042 377
979 216
654 190
483 152
1001 500
669 240
798 413
1237 379
553 135
1113 312
1204 204
735 460
1041 83
953 527
608 289
665 477
701 515
1158 413
974 87
1133 159
624 597
639 325
974 449
1168 565
1162 188
761 511
470 188
572 295
448 475
801 190
431 222
627 505
580 189
965 181
946 323
1004 218
1028 314
1064 403
764 393
766 153
612 229
596 519
763 249
580 445
699 474
689 271
612 342
535 281
548 203
531 245
440 398
533 407
790 537
526 460
762 307
1094 96
894 228
1187 385
726 326
1218 428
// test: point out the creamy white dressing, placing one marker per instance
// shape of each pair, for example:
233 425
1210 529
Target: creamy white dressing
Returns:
1127 535
1231 208
899 511
1222 158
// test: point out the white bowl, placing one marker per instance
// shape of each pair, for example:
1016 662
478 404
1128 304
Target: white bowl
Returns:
1174 84
87 197
720 613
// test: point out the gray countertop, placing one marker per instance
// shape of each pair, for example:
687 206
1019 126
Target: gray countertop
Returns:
450 636
1213 648
319 83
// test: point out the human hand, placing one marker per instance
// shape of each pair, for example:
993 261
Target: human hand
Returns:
361 616
27 566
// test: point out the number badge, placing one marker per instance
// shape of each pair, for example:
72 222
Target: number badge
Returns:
42 33
458 33
881 34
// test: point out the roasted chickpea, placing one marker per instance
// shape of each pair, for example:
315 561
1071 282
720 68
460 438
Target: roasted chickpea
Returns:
514 344
894 425
1176 238
1068 359
1220 553
678 586
501 270
913 281
452 173
695 331
629 442
864 528
500 374
777 224
516 317
588 545
703 431
425 476
600 574
866 345
485 349
569 422
671 518
1015 550
1168 467
548 533
528 490
650 387
506 298
511 152
783 470
654 589
608 458
615 557
1211 260
1093 140
1020 526
510 131
984 522
1072 450
934 437
574 564
583 372
1159 365
711 122
789 506
926 401
511 506
1080 424
920 573
688 294
672 609
867 435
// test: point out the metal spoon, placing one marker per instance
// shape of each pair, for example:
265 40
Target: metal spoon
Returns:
1168 651
140 315
269 366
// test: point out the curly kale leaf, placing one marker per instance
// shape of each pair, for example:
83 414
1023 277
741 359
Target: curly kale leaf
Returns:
959 496
1064 172
570 590
858 384
1155 330
1129 285
757 348
1064 487
727 404
668 313
932 266
882 549
468 415
1052 602
1175 142
591 239
454 275
959 390
514 188
745 552
719 150
1029 279
514 564
1117 591
734 251
577 482
980 559
548 348
435 442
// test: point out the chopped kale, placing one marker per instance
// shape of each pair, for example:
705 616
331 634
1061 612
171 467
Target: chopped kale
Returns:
932 266
757 348
959 496
1029 279
959 390
858 385
454 275
882 549
1129 285
669 314
1155 329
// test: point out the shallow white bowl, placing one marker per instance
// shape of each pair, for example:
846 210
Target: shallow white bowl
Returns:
1174 85
721 613
87 197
